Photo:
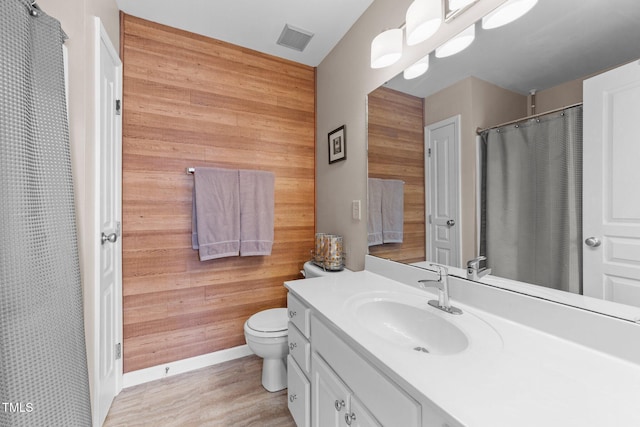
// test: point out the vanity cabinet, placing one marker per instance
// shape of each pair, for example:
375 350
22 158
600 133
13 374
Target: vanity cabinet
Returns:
299 362
373 397
333 403
330 384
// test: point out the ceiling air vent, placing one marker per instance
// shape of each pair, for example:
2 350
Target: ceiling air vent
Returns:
294 38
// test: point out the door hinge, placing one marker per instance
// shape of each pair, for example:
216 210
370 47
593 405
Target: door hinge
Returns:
118 351
118 107
429 152
429 218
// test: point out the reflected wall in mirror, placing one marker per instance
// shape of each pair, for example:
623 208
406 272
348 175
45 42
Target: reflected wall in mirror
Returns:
396 151
534 65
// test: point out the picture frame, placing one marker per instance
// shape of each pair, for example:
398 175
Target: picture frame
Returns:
338 144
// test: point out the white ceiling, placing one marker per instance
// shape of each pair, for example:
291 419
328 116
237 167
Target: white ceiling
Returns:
257 24
557 41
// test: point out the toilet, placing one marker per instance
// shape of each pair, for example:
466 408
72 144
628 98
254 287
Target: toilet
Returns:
311 270
266 333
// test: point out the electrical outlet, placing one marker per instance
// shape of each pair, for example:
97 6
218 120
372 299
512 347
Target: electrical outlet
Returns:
355 210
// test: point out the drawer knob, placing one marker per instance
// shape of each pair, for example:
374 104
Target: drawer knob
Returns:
292 346
292 314
292 398
339 405
349 418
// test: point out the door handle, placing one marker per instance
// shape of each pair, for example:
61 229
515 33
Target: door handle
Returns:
592 242
110 238
451 222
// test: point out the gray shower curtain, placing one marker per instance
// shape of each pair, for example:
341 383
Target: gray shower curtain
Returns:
531 227
43 366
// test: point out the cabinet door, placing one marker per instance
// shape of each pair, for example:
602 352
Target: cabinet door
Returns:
360 416
329 395
298 398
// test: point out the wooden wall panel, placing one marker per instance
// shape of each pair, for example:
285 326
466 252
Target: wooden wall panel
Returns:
194 101
396 151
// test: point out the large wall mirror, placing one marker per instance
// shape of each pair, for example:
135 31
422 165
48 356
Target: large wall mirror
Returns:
435 136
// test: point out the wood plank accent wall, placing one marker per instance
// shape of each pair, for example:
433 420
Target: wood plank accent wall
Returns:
396 151
194 101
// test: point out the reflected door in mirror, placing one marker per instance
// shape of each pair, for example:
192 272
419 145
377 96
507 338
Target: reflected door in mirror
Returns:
611 179
441 160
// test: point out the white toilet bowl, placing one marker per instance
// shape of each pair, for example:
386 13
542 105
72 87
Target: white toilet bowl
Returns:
266 333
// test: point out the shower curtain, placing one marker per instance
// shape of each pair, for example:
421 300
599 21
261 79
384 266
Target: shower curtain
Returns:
43 366
531 222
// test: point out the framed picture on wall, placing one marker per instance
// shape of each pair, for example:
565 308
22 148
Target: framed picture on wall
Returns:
338 144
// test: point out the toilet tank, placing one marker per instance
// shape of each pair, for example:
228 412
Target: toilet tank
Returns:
311 270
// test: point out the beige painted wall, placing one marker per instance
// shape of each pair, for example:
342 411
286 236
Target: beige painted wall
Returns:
76 17
559 96
479 104
344 79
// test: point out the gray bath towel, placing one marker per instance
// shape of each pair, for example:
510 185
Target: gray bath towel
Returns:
374 212
392 210
256 212
216 223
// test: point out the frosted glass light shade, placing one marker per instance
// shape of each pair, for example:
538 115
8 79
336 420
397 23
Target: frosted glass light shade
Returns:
417 69
459 4
423 20
507 12
458 43
386 48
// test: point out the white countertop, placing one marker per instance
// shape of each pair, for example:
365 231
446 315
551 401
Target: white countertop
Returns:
510 374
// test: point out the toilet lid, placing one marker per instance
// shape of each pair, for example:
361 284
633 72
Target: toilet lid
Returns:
271 320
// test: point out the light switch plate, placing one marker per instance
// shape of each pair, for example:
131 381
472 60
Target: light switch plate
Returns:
355 210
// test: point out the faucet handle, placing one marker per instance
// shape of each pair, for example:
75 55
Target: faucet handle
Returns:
440 269
475 262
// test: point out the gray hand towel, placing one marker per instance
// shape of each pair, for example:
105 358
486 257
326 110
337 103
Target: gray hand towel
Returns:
256 212
216 223
374 212
392 210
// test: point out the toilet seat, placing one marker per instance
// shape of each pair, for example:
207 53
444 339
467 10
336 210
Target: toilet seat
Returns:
268 323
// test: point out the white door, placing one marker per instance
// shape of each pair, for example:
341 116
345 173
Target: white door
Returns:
611 175
107 199
442 186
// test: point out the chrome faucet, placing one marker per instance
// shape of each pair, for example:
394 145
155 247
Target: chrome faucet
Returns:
474 272
442 284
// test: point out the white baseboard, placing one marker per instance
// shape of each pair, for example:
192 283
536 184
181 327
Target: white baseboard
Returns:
153 373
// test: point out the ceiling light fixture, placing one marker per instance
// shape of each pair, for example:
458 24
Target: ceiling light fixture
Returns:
459 4
423 20
455 8
386 48
507 12
417 69
458 43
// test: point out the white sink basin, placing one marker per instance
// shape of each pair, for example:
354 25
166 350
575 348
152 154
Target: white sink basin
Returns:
411 327
406 322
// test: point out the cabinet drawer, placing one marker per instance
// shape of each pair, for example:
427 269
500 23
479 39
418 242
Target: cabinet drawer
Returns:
299 348
298 314
299 394
387 402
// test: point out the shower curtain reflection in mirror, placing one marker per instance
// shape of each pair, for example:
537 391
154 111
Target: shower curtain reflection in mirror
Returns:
531 200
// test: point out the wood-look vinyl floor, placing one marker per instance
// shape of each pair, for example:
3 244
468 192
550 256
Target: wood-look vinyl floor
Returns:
226 395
